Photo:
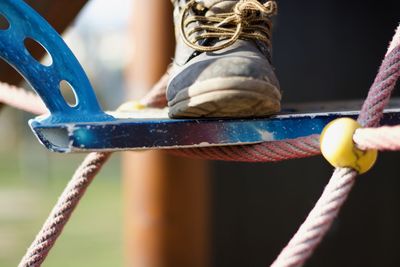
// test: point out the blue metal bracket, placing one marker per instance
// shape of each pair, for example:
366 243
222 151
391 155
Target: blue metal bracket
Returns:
85 127
152 129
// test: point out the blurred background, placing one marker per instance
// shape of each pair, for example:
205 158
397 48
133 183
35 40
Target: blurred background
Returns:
32 178
244 213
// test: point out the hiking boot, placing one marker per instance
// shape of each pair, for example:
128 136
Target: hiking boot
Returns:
222 65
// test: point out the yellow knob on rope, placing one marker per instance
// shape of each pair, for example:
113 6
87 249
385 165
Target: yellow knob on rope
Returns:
339 149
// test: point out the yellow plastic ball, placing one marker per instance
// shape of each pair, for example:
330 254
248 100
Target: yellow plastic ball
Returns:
338 148
131 106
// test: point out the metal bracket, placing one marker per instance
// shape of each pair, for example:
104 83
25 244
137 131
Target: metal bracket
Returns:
152 129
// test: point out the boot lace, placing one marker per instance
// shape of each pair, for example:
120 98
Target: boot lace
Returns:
250 20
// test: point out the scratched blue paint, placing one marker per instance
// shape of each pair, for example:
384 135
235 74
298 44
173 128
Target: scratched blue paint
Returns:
123 134
26 23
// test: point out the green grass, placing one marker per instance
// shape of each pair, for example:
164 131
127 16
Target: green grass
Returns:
28 190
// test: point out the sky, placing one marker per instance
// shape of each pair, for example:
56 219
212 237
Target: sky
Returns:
105 13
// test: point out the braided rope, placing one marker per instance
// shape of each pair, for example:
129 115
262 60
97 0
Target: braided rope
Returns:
264 152
319 220
76 188
395 42
156 97
382 138
62 211
21 99
381 90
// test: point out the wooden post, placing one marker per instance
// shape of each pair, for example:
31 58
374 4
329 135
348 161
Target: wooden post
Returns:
166 197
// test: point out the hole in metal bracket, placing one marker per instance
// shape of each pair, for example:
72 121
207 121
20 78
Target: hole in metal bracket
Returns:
37 51
4 23
68 93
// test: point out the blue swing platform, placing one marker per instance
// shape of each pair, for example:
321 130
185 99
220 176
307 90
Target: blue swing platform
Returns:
86 127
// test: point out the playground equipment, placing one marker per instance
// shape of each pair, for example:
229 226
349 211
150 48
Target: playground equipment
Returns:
85 127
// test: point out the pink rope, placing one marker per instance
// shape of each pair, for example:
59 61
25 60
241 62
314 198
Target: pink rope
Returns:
382 88
84 175
21 99
319 220
382 138
264 152
62 211
395 42
156 97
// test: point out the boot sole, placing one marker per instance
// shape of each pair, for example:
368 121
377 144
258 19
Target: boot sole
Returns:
235 97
